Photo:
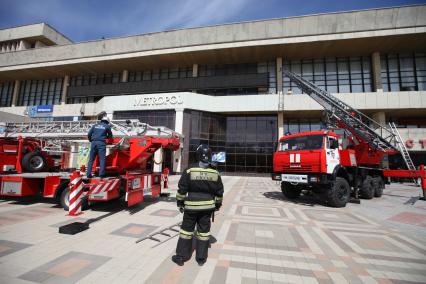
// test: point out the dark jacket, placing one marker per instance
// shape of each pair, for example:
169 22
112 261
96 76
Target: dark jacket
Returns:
200 189
100 132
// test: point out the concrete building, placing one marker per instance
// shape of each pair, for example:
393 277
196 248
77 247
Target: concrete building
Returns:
222 84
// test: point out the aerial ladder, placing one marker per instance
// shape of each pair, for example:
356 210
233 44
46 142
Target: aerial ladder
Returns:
41 157
378 137
368 140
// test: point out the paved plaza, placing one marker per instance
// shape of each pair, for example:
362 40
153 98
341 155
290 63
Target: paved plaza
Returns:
258 237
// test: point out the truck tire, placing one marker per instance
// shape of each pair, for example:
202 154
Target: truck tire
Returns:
379 185
367 188
34 162
339 193
290 191
64 200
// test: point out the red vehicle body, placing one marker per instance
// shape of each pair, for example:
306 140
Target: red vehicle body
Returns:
127 168
333 166
338 166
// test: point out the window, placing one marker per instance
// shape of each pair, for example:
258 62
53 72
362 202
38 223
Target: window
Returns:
403 72
40 92
336 75
309 142
6 94
163 74
155 118
292 126
248 141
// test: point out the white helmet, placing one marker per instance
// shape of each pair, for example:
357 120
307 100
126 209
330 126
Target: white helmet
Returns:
105 118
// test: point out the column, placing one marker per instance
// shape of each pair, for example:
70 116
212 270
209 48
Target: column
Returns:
125 76
194 70
280 124
15 92
65 85
177 155
380 117
377 72
279 74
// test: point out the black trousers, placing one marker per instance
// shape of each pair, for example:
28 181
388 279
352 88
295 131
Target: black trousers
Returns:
202 235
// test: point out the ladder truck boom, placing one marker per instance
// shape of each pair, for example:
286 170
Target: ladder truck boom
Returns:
361 126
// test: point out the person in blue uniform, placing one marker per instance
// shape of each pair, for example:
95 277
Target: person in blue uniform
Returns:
97 136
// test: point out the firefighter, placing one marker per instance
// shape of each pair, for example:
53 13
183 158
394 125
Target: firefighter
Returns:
200 193
97 136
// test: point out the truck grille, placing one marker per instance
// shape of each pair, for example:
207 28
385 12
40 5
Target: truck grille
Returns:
300 169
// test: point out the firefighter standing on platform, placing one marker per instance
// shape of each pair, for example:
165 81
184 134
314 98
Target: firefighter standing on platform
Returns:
200 193
97 136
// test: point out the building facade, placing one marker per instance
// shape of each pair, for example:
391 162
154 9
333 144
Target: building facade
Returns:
224 85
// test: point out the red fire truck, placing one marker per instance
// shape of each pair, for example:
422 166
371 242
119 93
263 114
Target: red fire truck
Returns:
39 158
347 159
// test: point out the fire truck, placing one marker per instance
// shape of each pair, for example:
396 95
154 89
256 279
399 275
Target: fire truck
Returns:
41 158
343 161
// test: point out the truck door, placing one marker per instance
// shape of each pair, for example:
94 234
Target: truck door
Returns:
332 153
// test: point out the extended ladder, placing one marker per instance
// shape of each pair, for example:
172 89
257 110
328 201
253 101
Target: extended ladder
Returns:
65 130
379 137
401 146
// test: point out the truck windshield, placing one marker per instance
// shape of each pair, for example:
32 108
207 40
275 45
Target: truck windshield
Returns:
310 142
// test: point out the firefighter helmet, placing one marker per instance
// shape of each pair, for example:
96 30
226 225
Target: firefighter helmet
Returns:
105 119
204 154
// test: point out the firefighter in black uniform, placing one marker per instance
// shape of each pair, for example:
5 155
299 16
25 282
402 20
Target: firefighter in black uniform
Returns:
200 193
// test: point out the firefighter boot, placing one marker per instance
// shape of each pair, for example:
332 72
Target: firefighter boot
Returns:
178 260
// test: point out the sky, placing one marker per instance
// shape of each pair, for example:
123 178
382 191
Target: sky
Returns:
84 20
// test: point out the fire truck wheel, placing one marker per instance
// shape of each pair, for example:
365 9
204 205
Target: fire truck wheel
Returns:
290 191
379 185
64 200
367 188
339 193
34 162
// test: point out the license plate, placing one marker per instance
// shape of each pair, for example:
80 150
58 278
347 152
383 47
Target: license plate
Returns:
295 178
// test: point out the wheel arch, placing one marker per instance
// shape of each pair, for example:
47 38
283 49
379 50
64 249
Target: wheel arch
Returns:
62 185
340 171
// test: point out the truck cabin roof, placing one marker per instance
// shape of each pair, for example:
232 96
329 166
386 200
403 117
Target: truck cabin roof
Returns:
308 133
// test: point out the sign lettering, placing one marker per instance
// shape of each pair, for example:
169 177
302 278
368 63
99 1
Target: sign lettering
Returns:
410 143
161 100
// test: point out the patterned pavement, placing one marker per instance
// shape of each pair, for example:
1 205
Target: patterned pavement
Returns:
258 237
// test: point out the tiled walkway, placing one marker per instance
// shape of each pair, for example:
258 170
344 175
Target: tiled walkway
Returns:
259 237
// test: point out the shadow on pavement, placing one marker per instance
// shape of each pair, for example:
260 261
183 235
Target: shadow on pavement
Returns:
306 200
29 200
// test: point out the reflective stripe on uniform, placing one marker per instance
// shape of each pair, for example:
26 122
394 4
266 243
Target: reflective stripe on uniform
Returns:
201 170
180 196
185 234
218 198
199 203
200 207
202 236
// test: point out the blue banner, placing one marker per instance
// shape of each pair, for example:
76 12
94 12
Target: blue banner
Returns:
40 111
45 109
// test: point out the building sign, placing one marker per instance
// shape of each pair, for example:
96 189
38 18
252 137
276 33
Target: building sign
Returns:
410 143
40 111
160 100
